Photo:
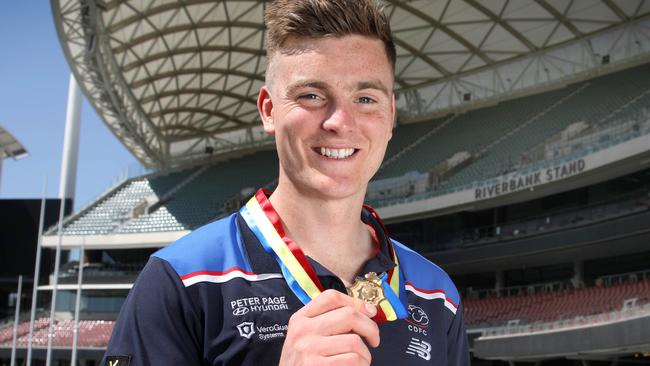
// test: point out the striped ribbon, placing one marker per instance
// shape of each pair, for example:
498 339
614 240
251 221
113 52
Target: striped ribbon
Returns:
296 270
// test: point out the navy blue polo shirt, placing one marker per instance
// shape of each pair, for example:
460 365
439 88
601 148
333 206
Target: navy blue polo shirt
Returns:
215 297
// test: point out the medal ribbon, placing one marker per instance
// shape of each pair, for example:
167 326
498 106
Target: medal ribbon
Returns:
394 292
296 270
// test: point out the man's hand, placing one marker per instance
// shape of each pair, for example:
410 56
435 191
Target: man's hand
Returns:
329 331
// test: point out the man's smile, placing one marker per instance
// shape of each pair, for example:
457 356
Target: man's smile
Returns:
336 153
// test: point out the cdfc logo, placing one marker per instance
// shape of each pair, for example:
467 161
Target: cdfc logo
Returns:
417 316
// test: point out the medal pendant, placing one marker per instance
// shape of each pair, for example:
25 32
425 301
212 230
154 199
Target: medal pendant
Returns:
368 289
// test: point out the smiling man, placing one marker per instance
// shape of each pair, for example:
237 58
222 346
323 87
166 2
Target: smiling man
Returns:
307 274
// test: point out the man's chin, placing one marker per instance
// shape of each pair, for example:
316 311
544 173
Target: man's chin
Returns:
336 189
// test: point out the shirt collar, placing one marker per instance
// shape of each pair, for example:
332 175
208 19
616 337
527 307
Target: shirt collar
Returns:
263 262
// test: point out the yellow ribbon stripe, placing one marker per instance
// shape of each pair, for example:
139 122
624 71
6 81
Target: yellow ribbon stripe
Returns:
281 250
388 310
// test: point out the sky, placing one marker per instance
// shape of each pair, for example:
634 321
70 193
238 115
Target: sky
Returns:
34 78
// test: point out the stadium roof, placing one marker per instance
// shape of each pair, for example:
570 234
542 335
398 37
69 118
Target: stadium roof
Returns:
10 147
176 81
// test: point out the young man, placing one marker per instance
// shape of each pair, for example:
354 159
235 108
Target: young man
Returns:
270 284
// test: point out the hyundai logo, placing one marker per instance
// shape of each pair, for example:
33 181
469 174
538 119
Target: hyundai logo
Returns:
240 311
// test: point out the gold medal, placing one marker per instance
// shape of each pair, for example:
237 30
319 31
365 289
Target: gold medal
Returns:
368 289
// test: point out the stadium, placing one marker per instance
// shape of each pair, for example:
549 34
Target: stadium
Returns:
519 163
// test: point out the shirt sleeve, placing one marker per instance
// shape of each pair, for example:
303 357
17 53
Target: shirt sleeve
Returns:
158 324
457 344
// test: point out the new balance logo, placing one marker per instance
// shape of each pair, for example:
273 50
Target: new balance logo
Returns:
419 348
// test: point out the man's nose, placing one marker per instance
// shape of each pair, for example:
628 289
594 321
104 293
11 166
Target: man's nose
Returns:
340 119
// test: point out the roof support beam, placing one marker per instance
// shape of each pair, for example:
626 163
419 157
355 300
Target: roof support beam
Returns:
211 112
185 28
499 20
199 133
150 12
614 8
170 74
180 51
219 93
560 17
417 53
435 23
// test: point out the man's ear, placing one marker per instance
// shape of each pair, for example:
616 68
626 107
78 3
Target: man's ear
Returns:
265 108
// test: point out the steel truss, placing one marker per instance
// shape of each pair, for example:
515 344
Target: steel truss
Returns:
176 81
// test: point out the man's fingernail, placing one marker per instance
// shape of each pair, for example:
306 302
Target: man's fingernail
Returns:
371 310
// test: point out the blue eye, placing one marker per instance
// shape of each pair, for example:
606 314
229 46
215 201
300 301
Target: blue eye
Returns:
311 100
366 100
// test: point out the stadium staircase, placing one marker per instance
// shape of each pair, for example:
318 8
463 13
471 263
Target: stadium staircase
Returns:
502 138
115 208
156 217
201 200
498 157
404 137
108 214
633 106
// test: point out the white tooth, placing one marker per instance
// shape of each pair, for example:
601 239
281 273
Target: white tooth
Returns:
336 153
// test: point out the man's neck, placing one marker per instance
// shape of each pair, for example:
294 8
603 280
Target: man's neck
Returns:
329 231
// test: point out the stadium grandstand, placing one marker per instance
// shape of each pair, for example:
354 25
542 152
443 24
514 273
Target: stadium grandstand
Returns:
520 162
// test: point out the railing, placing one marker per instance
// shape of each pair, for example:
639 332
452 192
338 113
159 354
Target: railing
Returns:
598 143
617 206
638 200
557 286
621 131
102 270
535 288
629 310
622 278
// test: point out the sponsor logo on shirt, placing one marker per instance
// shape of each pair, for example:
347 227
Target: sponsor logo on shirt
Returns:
118 361
418 320
246 329
240 311
264 333
258 304
419 348
272 331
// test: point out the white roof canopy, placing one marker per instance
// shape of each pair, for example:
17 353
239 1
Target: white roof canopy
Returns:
176 81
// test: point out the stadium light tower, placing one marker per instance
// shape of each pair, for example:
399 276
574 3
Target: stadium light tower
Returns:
10 148
66 189
67 184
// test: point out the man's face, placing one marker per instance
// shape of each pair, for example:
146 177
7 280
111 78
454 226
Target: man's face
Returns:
330 106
